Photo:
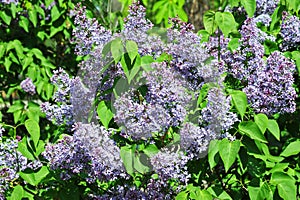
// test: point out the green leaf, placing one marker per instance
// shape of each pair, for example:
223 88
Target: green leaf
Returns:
104 114
296 57
40 148
228 151
138 165
274 128
181 196
252 130
287 190
286 185
213 149
135 69
18 105
24 23
54 13
150 150
23 148
127 154
17 115
33 129
262 192
239 99
14 10
6 18
250 6
132 50
292 149
261 121
117 49
200 195
209 22
33 17
17 194
34 178
234 3
226 22
233 44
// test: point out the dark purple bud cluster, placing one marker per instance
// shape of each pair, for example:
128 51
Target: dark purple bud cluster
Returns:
290 31
270 88
28 86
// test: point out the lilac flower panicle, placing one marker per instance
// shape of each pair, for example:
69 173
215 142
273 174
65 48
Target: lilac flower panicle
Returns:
89 152
58 114
270 89
9 1
88 32
140 120
28 86
194 140
266 6
61 80
170 165
189 56
216 115
265 19
11 162
290 31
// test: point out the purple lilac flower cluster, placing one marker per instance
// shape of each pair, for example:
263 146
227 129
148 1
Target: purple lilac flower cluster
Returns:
244 60
189 56
270 88
136 28
61 112
194 140
90 153
28 86
214 122
266 6
9 1
290 31
169 164
265 83
140 119
87 32
11 162
216 115
164 105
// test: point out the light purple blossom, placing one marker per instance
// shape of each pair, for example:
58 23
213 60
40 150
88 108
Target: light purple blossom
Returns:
28 86
270 89
290 31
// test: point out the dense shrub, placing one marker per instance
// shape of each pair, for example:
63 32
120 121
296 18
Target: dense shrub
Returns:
149 113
